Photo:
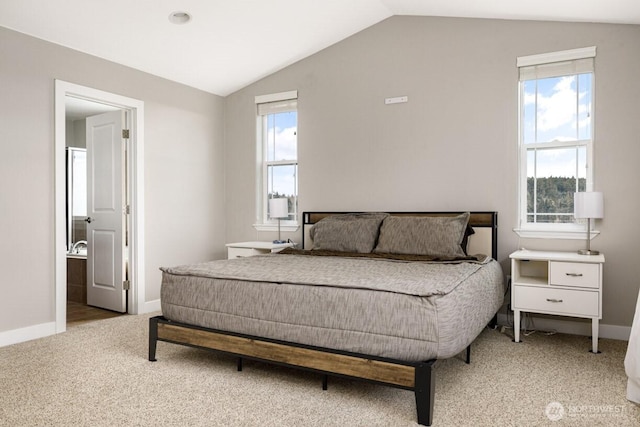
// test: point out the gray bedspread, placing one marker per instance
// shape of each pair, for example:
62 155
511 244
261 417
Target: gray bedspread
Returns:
404 277
409 311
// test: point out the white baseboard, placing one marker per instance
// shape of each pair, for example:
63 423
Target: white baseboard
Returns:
573 327
29 333
563 326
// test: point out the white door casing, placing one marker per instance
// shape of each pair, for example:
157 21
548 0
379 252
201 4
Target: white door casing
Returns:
137 302
105 210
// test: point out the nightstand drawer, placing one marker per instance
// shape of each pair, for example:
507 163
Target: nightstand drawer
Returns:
582 275
556 301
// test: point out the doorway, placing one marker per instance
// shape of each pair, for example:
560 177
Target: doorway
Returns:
86 299
89 98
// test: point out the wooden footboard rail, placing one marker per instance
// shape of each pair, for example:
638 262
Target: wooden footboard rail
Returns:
418 377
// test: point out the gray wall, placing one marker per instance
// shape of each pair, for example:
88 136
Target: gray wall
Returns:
184 170
453 146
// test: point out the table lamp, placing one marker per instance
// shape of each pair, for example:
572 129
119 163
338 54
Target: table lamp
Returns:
588 204
279 208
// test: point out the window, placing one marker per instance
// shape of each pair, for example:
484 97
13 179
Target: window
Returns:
278 155
556 137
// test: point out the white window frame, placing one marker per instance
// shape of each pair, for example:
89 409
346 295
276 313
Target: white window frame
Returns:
283 100
575 230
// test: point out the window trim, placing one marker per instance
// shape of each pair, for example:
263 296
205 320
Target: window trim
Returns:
575 230
559 56
262 222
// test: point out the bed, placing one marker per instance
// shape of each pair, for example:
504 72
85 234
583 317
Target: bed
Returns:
374 296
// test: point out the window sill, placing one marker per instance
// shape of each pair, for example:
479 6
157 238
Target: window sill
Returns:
554 234
274 227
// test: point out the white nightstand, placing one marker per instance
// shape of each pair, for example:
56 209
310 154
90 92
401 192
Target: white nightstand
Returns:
560 283
245 249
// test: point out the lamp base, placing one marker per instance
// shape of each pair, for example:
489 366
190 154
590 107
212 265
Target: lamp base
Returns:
588 252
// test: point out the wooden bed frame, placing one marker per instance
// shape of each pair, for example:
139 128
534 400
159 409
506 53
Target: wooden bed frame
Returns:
418 377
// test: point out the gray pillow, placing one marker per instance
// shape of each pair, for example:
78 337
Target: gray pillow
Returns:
434 236
356 232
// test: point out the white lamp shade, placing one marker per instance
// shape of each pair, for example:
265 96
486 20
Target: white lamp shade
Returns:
588 204
279 208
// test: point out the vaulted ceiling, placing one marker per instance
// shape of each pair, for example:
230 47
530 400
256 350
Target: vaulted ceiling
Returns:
228 44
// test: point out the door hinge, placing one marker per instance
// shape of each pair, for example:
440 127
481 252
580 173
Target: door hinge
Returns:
127 210
125 133
126 285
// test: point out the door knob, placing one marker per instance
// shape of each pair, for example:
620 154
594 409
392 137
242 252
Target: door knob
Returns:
88 219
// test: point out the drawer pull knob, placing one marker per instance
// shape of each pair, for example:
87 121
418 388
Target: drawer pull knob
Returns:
574 274
554 300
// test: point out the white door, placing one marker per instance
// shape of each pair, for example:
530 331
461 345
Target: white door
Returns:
105 212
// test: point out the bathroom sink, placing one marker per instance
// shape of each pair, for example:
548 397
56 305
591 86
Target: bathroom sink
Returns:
78 251
79 248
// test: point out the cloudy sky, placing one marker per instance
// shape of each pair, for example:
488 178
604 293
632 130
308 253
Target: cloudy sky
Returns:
557 109
282 145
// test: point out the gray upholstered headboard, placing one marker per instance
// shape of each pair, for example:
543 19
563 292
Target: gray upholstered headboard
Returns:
485 225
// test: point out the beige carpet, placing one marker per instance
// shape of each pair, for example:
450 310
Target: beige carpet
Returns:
97 374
